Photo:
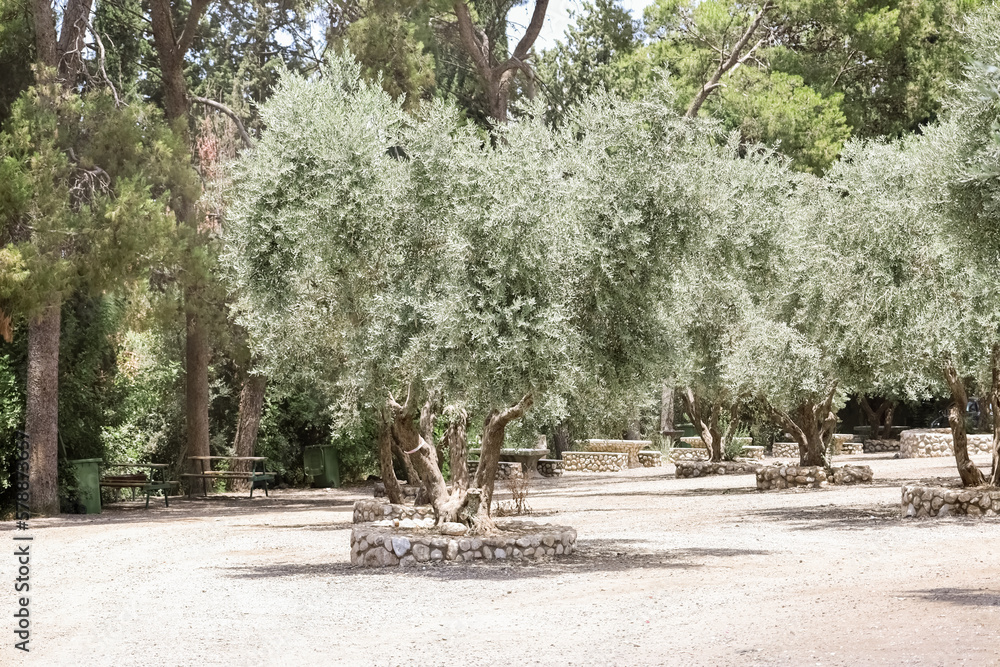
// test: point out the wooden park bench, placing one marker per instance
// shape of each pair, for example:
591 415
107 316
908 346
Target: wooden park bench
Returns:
149 483
257 477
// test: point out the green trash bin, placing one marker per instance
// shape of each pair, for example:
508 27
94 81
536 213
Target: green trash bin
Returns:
320 461
88 483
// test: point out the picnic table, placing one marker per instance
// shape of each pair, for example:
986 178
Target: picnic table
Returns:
256 475
528 458
630 447
149 484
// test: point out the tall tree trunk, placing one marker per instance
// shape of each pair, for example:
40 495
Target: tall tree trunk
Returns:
248 424
995 410
392 489
196 391
456 439
171 49
45 32
42 418
421 453
969 472
560 439
879 421
667 406
494 430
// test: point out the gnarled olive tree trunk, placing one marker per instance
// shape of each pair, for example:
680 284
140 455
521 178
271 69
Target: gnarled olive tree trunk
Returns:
711 434
811 425
995 411
423 456
494 429
392 489
969 472
879 421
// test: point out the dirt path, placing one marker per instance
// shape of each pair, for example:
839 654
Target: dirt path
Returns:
673 572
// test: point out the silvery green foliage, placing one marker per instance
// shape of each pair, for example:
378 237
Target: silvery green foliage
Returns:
788 347
636 173
729 275
311 238
894 271
379 250
923 217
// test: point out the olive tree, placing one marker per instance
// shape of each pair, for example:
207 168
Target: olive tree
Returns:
724 277
423 263
962 158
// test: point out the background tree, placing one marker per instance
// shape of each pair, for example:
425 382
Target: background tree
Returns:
823 72
84 206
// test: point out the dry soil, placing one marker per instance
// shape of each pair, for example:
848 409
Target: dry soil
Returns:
668 572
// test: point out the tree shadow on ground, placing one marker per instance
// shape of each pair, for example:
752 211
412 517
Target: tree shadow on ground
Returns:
211 507
836 517
727 491
592 555
965 597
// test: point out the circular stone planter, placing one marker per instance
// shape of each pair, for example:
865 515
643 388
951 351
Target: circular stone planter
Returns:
384 546
770 478
929 442
934 501
688 469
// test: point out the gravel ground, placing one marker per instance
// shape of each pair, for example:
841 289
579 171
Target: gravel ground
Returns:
668 572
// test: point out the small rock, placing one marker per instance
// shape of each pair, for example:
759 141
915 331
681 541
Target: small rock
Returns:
452 528
400 545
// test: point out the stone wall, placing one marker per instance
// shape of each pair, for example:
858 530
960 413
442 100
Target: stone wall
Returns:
687 454
378 510
927 442
505 470
650 458
630 447
686 469
755 452
595 461
879 446
382 546
948 501
842 444
696 441
785 450
852 447
783 477
550 467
